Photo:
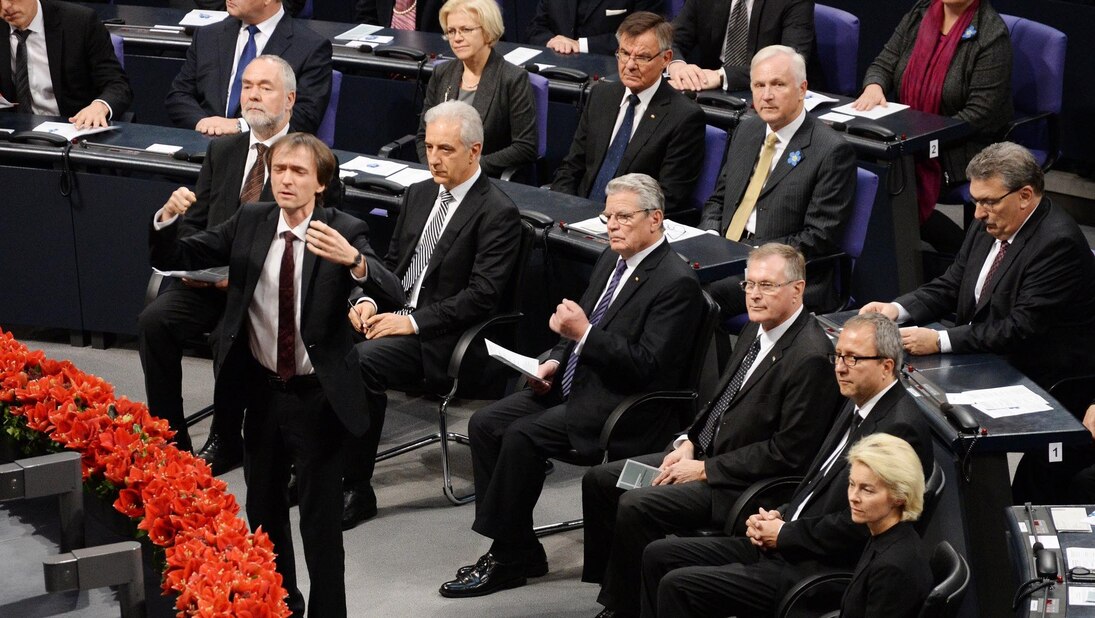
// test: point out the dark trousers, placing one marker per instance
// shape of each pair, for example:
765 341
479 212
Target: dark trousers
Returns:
176 316
509 441
620 524
716 576
297 428
386 362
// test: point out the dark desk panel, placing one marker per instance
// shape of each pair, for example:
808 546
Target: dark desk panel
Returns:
1022 561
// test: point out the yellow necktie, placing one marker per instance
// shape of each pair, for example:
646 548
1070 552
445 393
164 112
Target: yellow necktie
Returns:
752 192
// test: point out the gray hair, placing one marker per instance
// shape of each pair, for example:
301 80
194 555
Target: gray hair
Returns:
887 337
798 63
471 125
641 22
287 73
794 264
646 188
1012 163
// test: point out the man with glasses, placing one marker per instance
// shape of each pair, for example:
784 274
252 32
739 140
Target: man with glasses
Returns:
788 178
1023 285
630 333
746 576
775 401
638 124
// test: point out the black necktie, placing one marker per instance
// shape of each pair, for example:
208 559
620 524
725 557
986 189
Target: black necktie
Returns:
287 311
707 435
22 75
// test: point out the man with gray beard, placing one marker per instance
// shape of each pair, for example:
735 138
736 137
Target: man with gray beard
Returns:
234 172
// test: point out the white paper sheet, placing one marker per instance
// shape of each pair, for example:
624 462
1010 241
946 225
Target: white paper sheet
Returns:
1081 595
521 55
835 117
198 17
813 99
369 165
409 176
372 39
527 365
208 275
873 114
358 31
1001 402
1080 557
1048 541
68 130
1070 519
673 231
592 226
164 148
4 103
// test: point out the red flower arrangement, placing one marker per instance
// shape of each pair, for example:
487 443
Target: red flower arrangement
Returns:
211 561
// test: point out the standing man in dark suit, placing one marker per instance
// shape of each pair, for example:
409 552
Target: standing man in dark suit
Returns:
748 575
798 185
454 248
292 265
776 400
1023 286
233 172
205 95
583 26
58 61
628 334
714 40
636 125
400 14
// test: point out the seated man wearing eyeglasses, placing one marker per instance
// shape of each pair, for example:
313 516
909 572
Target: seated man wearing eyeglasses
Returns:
1023 285
788 178
638 124
776 400
631 332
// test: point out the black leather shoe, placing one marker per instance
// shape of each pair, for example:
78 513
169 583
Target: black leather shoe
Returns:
222 454
487 577
294 488
358 506
532 569
607 613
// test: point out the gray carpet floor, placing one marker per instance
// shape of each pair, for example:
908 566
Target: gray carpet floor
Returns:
394 563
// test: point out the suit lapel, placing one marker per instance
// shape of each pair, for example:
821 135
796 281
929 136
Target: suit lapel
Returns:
488 85
260 246
280 38
800 142
1017 244
309 267
980 251
55 51
226 56
602 130
773 356
636 280
465 212
754 24
647 125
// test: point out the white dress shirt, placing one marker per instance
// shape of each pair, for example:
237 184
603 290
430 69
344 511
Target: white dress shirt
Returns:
41 83
644 101
783 137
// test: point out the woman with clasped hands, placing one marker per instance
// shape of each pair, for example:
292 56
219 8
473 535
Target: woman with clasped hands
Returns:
952 58
480 77
886 492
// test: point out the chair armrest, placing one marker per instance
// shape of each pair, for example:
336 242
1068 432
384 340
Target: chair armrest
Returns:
473 334
810 584
1053 130
152 290
774 491
395 150
634 402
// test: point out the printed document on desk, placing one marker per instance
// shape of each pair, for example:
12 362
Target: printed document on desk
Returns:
1001 402
69 130
526 365
369 165
872 114
359 32
521 55
1070 519
199 18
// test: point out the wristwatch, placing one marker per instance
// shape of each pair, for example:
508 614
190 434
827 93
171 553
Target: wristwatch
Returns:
357 261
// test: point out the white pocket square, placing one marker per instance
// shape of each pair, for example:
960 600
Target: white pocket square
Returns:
614 12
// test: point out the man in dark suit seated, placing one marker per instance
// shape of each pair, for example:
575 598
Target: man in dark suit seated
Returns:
284 343
59 61
788 178
714 40
638 124
400 14
776 401
233 172
746 576
1023 286
454 248
205 95
583 26
628 334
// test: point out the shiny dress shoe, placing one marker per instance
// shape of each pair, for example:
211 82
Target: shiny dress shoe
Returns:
486 577
358 506
532 569
222 454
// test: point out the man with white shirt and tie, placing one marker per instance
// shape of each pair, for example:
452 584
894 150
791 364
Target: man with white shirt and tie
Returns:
638 124
205 95
746 576
788 178
59 61
454 248
233 172
284 343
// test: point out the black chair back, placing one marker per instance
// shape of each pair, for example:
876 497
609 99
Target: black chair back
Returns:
933 490
952 577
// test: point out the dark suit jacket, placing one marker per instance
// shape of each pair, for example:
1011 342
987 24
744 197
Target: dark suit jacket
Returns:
242 242
595 20
1040 312
805 205
200 89
776 421
219 183
82 64
504 102
892 579
700 28
468 272
642 343
666 145
825 533
379 13
977 88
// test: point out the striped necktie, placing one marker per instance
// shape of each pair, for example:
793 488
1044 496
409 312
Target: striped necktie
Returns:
598 314
426 244
735 47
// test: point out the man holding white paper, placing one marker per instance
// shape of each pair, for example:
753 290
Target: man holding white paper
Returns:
777 399
628 334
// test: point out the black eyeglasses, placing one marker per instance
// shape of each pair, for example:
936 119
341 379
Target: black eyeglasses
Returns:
624 218
641 60
850 360
766 287
991 202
